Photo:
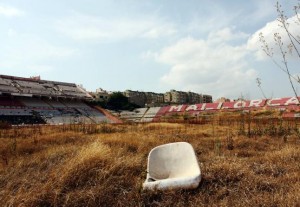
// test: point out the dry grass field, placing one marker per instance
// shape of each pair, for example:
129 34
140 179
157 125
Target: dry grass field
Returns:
105 165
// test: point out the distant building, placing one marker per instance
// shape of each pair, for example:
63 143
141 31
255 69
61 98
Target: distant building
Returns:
207 98
180 97
136 97
222 100
151 99
143 99
167 97
154 99
194 98
176 97
101 95
35 77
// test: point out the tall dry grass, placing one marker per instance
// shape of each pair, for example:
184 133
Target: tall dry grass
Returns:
105 165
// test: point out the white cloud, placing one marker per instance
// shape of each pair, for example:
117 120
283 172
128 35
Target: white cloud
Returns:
268 32
92 28
156 31
149 55
226 34
8 11
207 66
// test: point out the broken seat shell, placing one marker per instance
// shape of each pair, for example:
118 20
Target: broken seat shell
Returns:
172 166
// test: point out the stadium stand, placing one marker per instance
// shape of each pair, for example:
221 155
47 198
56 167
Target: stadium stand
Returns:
109 115
32 101
75 104
156 114
133 116
21 120
13 112
150 114
9 101
7 86
55 103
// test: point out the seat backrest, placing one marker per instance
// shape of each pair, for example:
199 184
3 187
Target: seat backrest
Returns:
172 160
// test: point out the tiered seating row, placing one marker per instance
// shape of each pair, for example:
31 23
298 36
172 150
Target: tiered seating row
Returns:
15 112
18 120
5 82
150 114
51 111
8 89
54 103
134 116
33 102
4 101
28 84
17 85
67 88
76 104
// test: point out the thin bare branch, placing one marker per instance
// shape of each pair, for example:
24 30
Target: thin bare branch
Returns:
279 42
283 20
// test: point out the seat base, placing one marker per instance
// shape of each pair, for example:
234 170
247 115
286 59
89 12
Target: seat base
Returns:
172 183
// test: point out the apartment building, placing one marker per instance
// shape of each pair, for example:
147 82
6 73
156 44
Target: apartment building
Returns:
180 97
194 98
207 98
151 99
177 97
154 99
136 97
101 95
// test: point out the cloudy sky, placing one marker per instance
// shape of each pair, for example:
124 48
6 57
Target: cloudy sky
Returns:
209 47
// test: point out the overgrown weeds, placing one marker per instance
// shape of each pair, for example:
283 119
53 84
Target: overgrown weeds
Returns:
105 165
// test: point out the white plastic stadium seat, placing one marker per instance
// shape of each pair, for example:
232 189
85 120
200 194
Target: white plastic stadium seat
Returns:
172 166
